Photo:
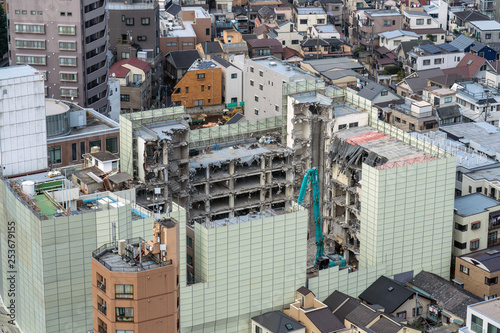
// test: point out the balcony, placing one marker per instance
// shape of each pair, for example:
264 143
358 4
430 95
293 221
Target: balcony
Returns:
101 286
102 308
101 329
494 225
493 242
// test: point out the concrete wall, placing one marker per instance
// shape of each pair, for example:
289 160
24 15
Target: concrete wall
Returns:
114 99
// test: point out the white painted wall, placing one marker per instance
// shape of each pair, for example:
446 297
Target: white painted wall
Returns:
393 43
23 136
448 60
114 98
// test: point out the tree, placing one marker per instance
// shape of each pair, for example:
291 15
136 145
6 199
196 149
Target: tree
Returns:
3 33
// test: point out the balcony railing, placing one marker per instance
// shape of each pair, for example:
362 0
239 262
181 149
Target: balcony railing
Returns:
102 308
101 286
493 242
494 225
102 329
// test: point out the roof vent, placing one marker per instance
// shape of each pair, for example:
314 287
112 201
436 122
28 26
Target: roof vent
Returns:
492 252
272 63
390 288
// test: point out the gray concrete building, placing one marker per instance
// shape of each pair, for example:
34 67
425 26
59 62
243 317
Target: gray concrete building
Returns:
66 41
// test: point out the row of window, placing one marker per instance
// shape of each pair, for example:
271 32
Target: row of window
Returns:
183 44
55 154
474 245
488 281
130 20
40 44
25 12
305 21
474 226
422 21
437 61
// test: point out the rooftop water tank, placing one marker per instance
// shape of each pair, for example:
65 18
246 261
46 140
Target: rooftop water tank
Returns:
58 118
28 187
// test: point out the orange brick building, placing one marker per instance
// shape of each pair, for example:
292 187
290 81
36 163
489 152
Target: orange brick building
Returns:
201 85
135 283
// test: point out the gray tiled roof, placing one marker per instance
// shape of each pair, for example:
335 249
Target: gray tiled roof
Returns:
387 293
275 322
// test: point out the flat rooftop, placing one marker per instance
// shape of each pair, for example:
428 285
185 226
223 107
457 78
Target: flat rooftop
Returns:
312 97
310 10
162 130
486 25
14 72
322 65
283 68
54 107
474 203
244 153
327 28
241 219
384 145
489 308
481 136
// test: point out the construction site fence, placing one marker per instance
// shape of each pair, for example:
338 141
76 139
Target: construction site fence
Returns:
405 137
220 134
150 116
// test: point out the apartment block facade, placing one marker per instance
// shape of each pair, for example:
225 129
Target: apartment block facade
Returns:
67 42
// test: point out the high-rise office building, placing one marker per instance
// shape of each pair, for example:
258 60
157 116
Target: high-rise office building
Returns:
67 42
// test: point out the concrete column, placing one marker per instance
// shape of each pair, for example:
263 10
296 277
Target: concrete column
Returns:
231 168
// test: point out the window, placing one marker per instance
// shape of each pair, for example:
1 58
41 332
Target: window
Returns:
24 12
401 314
476 324
63 61
30 28
420 21
459 245
429 21
234 100
460 227
320 21
276 108
69 92
427 62
137 78
263 52
251 69
207 31
491 281
187 90
145 21
386 22
342 126
124 314
112 145
261 87
295 41
123 18
411 127
447 99
189 241
67 46
129 21
124 290
303 21
234 76
256 111
141 38
258 329
384 93
17 11
487 36
72 77
251 83
479 189
198 102
464 270
187 43
483 67
82 148
95 143
63 13
172 44
30 44
70 14
40 60
124 98
124 331
189 260
475 225
419 311
261 73
491 328
437 61
201 76
55 156
474 244
66 30
125 55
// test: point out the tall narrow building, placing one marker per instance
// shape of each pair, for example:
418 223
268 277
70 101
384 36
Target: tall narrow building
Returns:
67 42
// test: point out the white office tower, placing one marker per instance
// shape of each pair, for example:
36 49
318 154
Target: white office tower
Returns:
23 138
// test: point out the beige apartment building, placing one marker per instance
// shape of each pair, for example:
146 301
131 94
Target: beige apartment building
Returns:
66 41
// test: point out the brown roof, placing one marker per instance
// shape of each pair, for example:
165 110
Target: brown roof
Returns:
447 79
495 65
427 31
468 66
104 156
274 44
261 29
304 291
289 53
121 71
84 177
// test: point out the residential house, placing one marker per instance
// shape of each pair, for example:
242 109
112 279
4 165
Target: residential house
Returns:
478 102
287 34
177 64
324 31
463 43
368 24
292 56
485 31
444 80
433 56
209 49
264 47
201 85
450 309
276 322
404 48
265 15
392 39
444 100
480 271
419 20
232 42
313 314
483 317
416 81
496 48
436 35
344 78
475 219
307 17
283 14
484 51
135 83
471 67
317 48
376 93
333 9
232 82
438 10
459 21
396 299
411 116
321 66
183 29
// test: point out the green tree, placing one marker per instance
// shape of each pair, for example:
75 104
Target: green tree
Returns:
3 33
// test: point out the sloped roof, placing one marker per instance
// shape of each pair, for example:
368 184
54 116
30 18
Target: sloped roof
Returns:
397 33
478 46
274 44
341 304
418 80
385 325
468 66
320 41
325 320
173 9
387 293
447 112
289 53
462 42
489 257
471 15
276 322
183 59
362 315
451 297
211 47
221 61
408 46
266 11
341 73
304 291
122 72
447 79
261 29
372 90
